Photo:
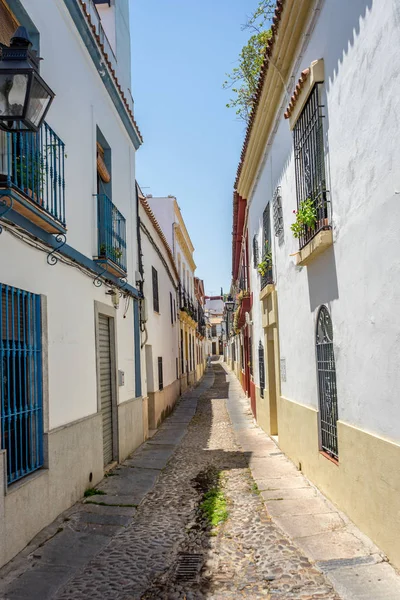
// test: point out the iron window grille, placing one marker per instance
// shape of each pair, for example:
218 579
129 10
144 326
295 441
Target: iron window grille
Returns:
111 232
255 251
182 355
172 308
328 405
278 214
156 302
268 277
21 381
233 352
310 164
261 367
160 373
33 164
250 357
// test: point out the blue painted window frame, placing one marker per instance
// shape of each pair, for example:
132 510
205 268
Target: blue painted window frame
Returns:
21 381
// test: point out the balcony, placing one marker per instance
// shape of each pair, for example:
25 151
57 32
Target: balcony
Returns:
111 248
32 177
186 303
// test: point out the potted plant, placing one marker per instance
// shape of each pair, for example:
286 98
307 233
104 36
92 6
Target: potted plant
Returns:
29 175
114 253
306 218
266 264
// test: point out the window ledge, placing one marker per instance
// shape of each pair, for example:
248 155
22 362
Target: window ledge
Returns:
329 457
267 290
314 248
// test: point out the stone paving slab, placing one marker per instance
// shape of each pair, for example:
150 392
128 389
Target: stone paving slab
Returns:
308 525
126 480
42 583
375 582
151 456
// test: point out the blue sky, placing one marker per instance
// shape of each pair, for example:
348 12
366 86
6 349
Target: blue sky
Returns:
181 50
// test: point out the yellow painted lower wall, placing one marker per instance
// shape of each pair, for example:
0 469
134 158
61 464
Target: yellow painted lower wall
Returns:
365 484
263 417
161 403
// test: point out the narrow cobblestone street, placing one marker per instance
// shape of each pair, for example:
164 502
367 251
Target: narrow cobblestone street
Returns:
247 556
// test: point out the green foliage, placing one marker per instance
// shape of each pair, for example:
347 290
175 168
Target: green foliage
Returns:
93 492
213 507
266 264
306 216
114 253
242 80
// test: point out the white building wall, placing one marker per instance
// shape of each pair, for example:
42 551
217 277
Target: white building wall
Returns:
358 278
81 103
162 334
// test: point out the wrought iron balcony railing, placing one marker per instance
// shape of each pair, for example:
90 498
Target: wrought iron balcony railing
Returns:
186 303
111 249
32 174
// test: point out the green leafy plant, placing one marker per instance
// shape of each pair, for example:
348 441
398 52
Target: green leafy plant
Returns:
114 253
306 217
243 79
266 264
93 492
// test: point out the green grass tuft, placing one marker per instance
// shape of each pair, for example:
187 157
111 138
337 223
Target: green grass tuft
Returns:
93 492
213 507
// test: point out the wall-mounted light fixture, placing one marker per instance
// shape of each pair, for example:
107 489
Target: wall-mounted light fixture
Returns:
25 97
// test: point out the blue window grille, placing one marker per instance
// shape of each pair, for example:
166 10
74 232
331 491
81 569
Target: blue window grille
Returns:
34 166
111 232
21 381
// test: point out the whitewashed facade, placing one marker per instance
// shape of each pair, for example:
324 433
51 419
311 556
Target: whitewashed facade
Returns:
327 319
160 320
191 353
81 377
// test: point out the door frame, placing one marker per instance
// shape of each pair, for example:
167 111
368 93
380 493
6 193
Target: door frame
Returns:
108 311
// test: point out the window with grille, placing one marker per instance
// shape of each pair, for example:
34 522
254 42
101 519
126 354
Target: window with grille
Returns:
213 331
328 405
182 355
233 352
160 373
261 367
250 356
175 311
156 302
310 164
278 215
21 381
255 251
172 308
266 257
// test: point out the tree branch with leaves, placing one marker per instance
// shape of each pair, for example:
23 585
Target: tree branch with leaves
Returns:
243 79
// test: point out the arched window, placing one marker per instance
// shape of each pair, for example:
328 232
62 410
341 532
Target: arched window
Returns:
328 407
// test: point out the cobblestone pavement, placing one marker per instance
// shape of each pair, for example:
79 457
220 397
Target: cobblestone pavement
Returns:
248 556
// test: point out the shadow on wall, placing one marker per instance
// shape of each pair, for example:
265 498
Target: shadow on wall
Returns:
322 279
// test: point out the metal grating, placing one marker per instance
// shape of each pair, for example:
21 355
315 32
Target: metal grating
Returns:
268 277
310 164
188 566
278 215
21 411
328 405
261 368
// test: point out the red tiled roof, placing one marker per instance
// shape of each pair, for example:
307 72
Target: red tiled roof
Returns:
157 227
112 71
303 78
263 72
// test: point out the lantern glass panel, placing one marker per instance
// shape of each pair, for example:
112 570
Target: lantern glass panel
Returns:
13 88
38 102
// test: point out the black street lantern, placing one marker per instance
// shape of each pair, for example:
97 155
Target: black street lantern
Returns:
230 304
25 97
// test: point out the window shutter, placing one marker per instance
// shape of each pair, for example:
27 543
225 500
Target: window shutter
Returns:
156 304
255 252
160 373
172 308
261 367
277 209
